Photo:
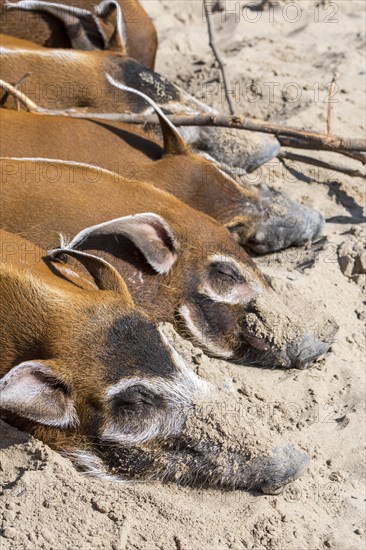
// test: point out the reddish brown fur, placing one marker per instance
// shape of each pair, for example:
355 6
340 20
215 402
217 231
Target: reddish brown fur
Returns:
46 30
8 41
131 153
53 316
40 199
63 78
40 208
84 204
50 324
264 220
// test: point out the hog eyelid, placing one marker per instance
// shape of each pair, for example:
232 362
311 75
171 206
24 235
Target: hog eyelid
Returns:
230 263
230 272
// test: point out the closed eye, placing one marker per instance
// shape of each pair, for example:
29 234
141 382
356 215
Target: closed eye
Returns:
228 271
136 397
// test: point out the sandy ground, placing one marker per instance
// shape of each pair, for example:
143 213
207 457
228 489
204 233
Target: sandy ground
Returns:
279 66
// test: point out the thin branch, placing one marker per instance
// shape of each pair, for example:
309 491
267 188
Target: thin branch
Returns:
17 86
212 43
331 90
356 156
218 6
295 143
263 4
286 155
286 134
19 96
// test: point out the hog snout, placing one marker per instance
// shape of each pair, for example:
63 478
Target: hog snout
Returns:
300 354
233 470
285 223
308 350
274 335
272 473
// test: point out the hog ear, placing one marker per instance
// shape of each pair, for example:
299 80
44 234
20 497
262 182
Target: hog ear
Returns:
174 144
33 390
111 24
105 276
80 25
150 233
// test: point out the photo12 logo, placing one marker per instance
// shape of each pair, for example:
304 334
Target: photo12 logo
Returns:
320 11
250 91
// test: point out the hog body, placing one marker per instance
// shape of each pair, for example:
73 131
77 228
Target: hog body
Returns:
189 272
83 25
87 373
260 219
71 79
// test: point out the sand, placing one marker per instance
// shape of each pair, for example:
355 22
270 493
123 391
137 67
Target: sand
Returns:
279 69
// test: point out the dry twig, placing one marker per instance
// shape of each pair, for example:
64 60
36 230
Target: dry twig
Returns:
285 134
19 96
17 86
295 143
356 156
331 91
286 155
263 4
212 43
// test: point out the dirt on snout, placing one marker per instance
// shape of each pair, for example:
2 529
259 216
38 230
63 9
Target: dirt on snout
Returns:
352 256
215 420
274 323
281 68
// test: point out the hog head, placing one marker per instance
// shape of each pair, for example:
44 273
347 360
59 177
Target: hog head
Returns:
261 219
222 301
